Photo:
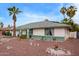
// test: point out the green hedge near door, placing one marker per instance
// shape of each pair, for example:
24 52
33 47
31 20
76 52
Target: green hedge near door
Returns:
47 37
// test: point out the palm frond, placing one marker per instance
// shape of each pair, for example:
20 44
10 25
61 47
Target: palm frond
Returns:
10 9
63 10
10 13
18 11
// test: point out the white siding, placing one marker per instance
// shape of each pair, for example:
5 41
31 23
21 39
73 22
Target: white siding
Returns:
17 32
62 32
24 32
52 30
59 32
12 33
38 32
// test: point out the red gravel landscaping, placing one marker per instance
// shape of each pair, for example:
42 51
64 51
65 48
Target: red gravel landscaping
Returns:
16 47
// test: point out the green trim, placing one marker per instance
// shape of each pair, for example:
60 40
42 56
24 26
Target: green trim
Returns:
47 37
59 38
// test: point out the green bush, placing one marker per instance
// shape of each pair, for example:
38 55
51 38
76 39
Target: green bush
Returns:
8 33
23 37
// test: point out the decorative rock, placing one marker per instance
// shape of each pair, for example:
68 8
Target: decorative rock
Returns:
31 43
1 43
57 52
38 44
48 50
4 40
9 47
35 45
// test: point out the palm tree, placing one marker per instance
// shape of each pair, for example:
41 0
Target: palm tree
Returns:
71 11
63 11
14 11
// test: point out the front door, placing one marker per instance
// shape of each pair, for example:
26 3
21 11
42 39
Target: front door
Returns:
30 32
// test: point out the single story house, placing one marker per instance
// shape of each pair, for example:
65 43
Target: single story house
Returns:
45 30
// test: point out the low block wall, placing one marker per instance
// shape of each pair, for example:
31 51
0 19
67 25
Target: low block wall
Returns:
73 34
36 37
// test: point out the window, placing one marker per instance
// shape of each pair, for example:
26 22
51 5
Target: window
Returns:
48 31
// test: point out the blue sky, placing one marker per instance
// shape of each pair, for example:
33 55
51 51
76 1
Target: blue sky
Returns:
32 12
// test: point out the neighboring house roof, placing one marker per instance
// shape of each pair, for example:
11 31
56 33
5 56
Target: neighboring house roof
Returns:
6 29
42 24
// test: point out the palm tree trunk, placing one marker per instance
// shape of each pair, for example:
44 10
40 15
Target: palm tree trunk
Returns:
14 27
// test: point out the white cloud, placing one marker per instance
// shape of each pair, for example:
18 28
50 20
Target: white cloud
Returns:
37 16
28 17
31 17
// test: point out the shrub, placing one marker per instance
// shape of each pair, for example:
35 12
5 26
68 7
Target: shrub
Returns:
23 37
54 39
8 33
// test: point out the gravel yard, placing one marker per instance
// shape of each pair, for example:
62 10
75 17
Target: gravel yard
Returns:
16 47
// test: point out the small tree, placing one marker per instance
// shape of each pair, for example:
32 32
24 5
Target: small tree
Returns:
75 26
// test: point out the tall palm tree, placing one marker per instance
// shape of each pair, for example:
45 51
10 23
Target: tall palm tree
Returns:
71 11
63 11
14 11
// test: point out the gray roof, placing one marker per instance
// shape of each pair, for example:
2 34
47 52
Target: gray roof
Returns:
42 24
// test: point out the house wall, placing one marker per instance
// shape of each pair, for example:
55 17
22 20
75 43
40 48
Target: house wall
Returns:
24 32
11 32
62 32
40 32
20 32
17 32
59 32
